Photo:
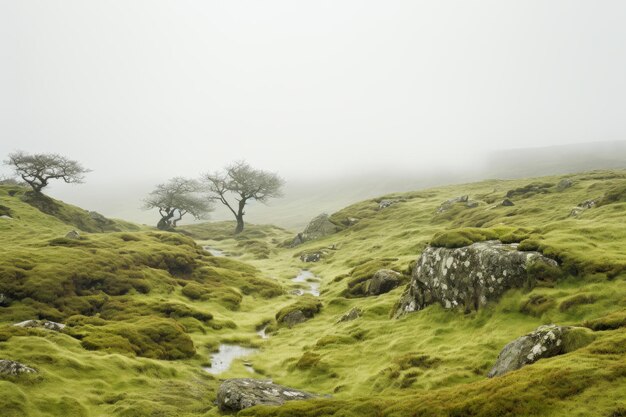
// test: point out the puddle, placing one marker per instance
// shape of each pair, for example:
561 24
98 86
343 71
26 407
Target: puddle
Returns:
213 251
221 361
307 277
263 334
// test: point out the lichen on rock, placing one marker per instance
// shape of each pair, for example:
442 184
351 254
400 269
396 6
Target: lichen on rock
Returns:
239 393
468 277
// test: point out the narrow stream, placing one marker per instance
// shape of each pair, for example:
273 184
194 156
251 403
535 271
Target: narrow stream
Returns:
213 251
221 361
307 277
263 333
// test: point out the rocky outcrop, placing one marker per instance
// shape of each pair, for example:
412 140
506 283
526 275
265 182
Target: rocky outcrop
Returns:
507 203
585 205
383 204
73 234
319 227
4 300
294 317
544 342
564 184
312 256
353 314
43 324
382 282
464 200
239 393
467 277
12 368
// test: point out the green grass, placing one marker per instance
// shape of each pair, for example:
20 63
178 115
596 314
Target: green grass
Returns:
145 309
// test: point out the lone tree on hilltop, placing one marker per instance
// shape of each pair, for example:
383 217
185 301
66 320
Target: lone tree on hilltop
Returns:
176 198
38 169
242 183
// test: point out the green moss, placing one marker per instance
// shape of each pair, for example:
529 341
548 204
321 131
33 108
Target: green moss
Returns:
615 194
536 305
364 272
150 338
309 306
611 321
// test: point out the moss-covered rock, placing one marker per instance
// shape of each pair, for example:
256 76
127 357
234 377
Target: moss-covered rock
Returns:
469 277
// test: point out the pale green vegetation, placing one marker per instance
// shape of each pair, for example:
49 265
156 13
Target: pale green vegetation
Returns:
144 310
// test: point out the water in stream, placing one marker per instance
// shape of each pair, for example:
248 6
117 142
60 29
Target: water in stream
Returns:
221 361
307 277
213 251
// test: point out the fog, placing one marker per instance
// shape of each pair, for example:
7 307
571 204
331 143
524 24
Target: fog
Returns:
344 99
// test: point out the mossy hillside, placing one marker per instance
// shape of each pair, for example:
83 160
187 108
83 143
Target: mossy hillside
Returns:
14 198
121 297
432 362
352 357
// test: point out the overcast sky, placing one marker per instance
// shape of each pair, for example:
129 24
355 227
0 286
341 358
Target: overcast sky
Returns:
305 88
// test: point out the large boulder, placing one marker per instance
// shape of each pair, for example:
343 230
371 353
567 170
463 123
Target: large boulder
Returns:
544 342
239 393
43 324
12 368
564 184
382 282
319 227
468 277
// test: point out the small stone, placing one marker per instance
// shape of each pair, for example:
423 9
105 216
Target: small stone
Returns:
12 368
240 393
353 314
507 203
72 235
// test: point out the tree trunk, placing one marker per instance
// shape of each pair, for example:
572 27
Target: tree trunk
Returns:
239 216
239 227
165 223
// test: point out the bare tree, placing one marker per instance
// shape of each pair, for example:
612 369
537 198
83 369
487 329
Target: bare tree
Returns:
242 183
176 198
38 169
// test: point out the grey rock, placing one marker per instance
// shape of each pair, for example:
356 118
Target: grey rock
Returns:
312 256
382 282
319 227
293 318
44 324
297 240
544 342
72 235
353 314
383 204
12 368
585 205
4 300
507 203
240 393
350 221
564 184
448 204
467 277
6 217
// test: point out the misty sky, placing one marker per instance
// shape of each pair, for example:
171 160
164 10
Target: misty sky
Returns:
309 89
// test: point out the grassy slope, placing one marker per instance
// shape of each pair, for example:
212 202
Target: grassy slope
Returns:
359 359
428 363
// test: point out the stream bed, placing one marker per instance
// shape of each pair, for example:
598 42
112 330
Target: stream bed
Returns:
307 277
221 360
